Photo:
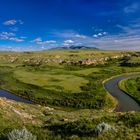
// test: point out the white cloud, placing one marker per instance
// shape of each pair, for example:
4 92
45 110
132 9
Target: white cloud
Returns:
13 22
10 36
80 36
132 8
95 35
16 39
39 39
104 33
50 41
68 41
10 22
99 34
3 37
46 42
6 35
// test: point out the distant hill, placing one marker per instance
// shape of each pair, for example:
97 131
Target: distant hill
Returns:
75 48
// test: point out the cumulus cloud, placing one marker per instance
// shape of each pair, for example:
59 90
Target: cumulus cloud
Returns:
68 41
10 36
100 34
39 41
16 39
95 35
6 35
104 33
80 36
12 22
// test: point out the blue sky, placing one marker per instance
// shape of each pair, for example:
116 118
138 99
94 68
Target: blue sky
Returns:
27 25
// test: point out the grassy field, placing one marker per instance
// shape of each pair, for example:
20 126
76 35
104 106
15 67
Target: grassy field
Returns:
72 85
132 87
74 90
57 79
73 101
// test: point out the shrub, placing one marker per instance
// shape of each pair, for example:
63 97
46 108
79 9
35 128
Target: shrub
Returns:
21 134
103 127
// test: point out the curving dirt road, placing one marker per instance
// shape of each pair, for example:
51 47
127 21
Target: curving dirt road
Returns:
125 102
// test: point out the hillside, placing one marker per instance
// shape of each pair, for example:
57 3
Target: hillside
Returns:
47 123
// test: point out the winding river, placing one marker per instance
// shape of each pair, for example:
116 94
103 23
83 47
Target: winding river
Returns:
11 96
125 102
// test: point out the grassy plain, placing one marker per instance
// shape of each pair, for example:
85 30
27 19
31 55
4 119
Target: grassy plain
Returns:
73 93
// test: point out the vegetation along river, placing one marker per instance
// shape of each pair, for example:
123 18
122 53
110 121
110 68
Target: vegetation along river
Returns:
125 102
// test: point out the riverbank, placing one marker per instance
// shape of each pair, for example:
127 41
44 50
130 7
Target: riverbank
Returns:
125 102
131 86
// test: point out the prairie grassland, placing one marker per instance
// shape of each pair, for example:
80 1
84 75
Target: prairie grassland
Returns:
65 85
52 80
73 101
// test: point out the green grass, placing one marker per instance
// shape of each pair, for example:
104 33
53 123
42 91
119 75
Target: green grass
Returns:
75 92
50 80
134 60
62 85
61 125
132 87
